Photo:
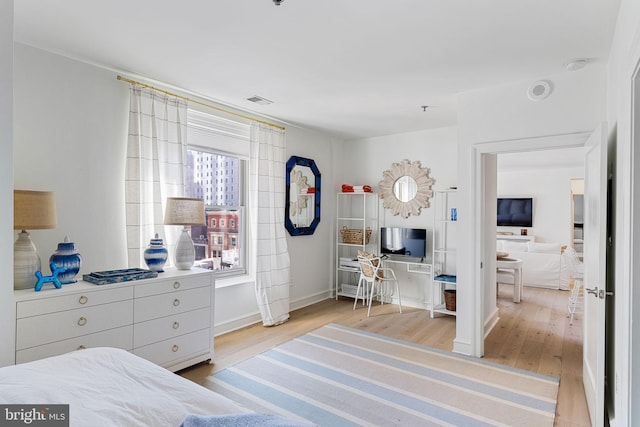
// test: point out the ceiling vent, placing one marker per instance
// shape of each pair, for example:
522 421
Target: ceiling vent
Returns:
259 100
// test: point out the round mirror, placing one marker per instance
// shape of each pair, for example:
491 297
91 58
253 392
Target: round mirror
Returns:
405 188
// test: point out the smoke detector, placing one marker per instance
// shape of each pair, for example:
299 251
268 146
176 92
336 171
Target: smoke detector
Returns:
575 64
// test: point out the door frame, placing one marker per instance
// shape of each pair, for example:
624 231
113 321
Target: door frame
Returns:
479 257
627 337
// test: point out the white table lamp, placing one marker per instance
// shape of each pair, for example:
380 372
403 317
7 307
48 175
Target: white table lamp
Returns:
184 211
32 210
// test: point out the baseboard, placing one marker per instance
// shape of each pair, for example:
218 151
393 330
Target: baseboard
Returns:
310 300
235 324
462 347
491 322
253 318
545 286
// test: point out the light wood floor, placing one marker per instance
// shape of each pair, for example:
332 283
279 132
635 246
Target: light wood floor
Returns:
534 335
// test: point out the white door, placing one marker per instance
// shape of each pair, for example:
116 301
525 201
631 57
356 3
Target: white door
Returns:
595 223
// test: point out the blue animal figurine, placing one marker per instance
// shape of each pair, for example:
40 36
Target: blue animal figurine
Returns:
55 270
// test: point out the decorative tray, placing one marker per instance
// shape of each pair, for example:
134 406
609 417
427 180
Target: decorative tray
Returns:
115 276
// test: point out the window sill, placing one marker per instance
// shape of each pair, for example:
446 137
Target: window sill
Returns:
224 282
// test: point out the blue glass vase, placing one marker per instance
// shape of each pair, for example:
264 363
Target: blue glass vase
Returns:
66 256
155 256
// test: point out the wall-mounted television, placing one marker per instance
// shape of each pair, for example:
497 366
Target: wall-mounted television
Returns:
515 211
403 242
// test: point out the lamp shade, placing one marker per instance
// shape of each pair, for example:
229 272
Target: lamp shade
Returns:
184 211
34 210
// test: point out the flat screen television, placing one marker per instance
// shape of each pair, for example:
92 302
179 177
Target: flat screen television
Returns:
515 211
405 242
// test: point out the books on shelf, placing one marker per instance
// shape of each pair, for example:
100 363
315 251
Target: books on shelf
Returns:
450 278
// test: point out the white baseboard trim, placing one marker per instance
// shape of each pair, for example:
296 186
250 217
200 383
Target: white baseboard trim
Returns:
462 347
253 318
491 322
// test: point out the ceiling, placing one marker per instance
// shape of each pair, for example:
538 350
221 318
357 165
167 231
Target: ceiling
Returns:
354 68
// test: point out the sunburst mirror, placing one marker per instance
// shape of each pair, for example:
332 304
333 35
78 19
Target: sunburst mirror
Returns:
406 188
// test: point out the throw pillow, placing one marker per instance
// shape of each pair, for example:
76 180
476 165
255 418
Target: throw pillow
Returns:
545 248
509 246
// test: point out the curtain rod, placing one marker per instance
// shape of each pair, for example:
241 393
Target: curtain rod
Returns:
166 92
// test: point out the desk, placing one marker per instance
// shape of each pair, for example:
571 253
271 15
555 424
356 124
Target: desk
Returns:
515 265
417 267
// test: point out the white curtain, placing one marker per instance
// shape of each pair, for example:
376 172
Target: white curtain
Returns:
266 219
154 168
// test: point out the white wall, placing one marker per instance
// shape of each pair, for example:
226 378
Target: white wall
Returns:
503 113
7 306
366 159
70 137
311 255
550 189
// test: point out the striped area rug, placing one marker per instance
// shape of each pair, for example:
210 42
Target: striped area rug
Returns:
339 376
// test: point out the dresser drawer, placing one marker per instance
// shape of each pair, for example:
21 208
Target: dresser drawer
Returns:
157 306
72 301
151 331
173 284
48 328
174 350
118 337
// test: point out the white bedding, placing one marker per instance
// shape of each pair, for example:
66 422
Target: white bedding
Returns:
110 387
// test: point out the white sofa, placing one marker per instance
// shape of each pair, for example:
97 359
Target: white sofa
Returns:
543 265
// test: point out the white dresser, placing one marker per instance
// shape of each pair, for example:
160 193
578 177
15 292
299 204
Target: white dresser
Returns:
167 320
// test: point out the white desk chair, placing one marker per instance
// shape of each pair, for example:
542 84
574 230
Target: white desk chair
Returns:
377 281
576 270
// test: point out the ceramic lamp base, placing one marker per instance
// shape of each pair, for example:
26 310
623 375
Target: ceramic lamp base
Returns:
185 254
26 262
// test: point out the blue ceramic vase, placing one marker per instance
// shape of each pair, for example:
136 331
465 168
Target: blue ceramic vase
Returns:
155 256
66 256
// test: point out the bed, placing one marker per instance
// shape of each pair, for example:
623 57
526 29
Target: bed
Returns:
110 387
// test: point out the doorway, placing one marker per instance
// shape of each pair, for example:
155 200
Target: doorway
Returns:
485 172
577 214
483 255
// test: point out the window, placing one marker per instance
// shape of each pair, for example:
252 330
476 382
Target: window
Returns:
218 147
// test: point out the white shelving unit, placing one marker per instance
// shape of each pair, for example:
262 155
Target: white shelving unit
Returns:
516 237
444 249
354 211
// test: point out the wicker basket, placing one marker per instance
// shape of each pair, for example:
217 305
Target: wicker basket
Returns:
450 299
353 236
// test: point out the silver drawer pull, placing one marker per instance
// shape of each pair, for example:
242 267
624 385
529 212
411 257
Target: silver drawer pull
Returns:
176 302
176 325
82 347
175 348
176 285
83 299
82 321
